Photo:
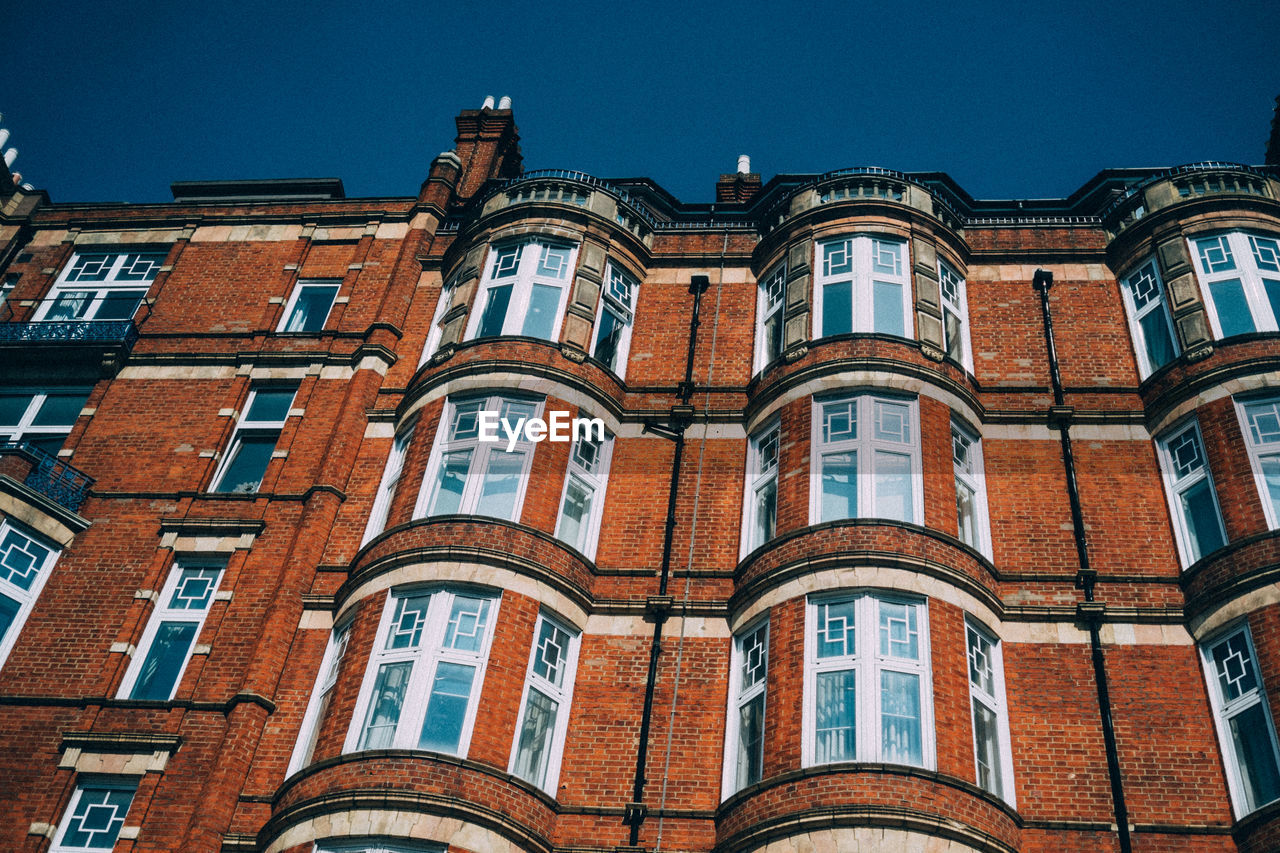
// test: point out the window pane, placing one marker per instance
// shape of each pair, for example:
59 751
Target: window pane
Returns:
839 486
773 336
50 444
168 652
966 516
1272 286
893 422
899 635
836 717
837 257
986 742
495 311
70 305
406 627
8 614
1251 740
750 742
1232 307
837 308
981 672
955 340
119 305
766 510
534 749
1234 667
249 463
384 709
1201 514
554 261
1215 254
194 589
59 410
887 304
574 513
540 322
13 407
552 651
450 482
836 624
21 559
893 486
311 308
607 338
270 405
467 620
1156 338
900 718
501 481
1271 474
447 708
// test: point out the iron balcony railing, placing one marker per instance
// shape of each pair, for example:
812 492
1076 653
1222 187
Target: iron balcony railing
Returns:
110 332
50 476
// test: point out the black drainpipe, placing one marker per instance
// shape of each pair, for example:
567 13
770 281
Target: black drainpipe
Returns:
659 606
1090 611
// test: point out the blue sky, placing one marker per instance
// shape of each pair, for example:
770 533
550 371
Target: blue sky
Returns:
112 102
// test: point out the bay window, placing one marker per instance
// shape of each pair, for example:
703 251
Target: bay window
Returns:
321 697
771 313
1240 277
523 290
863 285
544 708
387 486
1197 521
1260 419
971 492
744 734
1150 325
955 316
866 459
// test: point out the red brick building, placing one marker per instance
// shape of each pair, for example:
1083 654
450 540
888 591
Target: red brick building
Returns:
919 522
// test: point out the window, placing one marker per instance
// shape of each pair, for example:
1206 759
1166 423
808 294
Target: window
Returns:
1147 307
424 676
523 290
955 316
867 459
321 696
40 418
744 734
25 562
1245 729
862 285
544 709
868 694
309 306
165 647
1261 425
254 440
1197 522
377 845
761 515
387 488
991 751
971 491
616 317
582 504
1240 274
437 331
771 311
474 477
95 814
101 286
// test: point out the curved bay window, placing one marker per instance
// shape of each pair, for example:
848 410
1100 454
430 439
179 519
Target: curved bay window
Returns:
862 284
866 453
523 290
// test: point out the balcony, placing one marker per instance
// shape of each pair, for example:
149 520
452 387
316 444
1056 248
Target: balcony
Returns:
48 475
79 347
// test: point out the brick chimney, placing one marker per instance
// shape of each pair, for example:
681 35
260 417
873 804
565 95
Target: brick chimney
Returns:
488 146
739 187
1273 144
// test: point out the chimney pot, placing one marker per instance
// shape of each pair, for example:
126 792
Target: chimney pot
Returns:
744 164
488 103
505 103
10 156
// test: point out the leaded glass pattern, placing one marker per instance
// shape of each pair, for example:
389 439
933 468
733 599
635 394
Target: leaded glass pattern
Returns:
523 290
1193 500
540 731
1245 728
25 563
1240 278
101 286
96 815
168 641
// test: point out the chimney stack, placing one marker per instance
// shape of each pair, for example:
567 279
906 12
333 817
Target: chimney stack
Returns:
741 186
487 146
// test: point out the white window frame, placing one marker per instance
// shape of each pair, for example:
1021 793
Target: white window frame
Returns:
436 333
995 701
165 612
740 695
1159 304
99 783
26 428
1251 262
561 694
762 472
868 668
771 301
103 274
525 276
379 845
593 477
388 485
247 427
865 446
1225 710
619 295
1260 450
1175 485
41 567
863 276
483 454
974 478
424 659
303 284
956 304
321 695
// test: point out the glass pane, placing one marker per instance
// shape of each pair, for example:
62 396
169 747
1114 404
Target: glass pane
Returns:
574 513
406 625
21 559
1271 475
13 407
495 311
447 708
249 462
119 304
836 717
893 486
384 708
59 410
194 589
544 302
554 261
1201 515
750 742
766 512
70 305
450 482
1215 254
966 516
97 819
986 743
466 420
1251 739
899 635
536 731
836 625
893 422
8 614
886 257
837 257
1272 287
140 266
837 308
168 652
773 336
1232 307
886 299
955 340
49 443
839 486
467 620
755 657
550 654
270 405
1234 666
981 672
506 261
607 338
900 718
1156 338
91 267
311 308
501 481
1264 421
1266 253
840 420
